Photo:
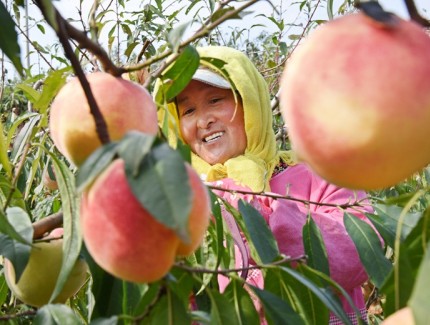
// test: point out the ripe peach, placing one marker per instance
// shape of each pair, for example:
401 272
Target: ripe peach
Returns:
124 105
199 214
124 238
403 316
39 278
356 99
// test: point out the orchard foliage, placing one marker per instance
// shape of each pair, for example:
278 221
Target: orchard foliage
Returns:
134 38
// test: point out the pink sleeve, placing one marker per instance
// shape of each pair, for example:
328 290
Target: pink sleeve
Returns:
288 218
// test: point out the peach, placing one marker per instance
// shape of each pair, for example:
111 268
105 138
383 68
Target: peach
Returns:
199 214
124 238
356 100
39 278
403 316
124 105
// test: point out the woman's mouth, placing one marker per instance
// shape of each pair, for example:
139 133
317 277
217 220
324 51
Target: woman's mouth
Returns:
213 137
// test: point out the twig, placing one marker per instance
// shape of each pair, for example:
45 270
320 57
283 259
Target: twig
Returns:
47 224
286 197
22 314
415 15
300 259
101 126
83 41
32 44
203 31
161 292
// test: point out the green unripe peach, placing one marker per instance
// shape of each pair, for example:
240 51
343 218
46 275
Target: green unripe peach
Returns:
39 278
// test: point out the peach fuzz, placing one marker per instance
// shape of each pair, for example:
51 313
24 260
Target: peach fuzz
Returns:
123 237
356 100
124 105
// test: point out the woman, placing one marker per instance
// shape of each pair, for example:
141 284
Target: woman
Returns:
228 126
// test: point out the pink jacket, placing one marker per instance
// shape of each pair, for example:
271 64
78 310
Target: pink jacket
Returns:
286 219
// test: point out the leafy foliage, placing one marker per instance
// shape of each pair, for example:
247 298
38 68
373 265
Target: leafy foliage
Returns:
138 36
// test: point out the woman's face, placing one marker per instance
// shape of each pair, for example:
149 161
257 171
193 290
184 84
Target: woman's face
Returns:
211 123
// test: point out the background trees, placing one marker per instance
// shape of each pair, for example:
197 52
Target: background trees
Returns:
132 39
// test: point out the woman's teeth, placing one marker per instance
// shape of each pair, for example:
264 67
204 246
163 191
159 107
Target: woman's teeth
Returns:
213 137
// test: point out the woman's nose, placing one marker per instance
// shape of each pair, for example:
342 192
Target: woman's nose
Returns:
205 120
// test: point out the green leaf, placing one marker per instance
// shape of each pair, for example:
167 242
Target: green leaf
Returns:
300 297
6 189
30 93
56 314
135 147
23 137
417 239
8 228
332 289
326 296
113 296
4 289
160 182
41 28
17 252
224 11
95 164
244 308
175 35
169 310
4 158
179 74
52 84
12 129
72 237
218 238
126 29
261 236
218 66
9 39
399 283
222 310
388 219
130 48
276 309
50 14
314 247
330 9
369 249
420 295
105 321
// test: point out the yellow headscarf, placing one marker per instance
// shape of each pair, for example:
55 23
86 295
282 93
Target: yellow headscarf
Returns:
255 167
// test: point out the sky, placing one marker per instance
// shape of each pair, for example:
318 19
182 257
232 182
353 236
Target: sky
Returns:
68 8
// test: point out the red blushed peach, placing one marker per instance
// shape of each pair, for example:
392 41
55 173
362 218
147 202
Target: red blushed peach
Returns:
124 105
199 214
355 97
121 236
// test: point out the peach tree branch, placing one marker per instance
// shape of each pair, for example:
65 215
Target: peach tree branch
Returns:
415 15
226 272
287 197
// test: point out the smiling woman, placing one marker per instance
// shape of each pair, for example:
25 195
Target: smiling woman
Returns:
234 147
211 122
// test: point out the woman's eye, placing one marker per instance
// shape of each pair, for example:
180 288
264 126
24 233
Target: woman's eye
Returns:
187 111
215 100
